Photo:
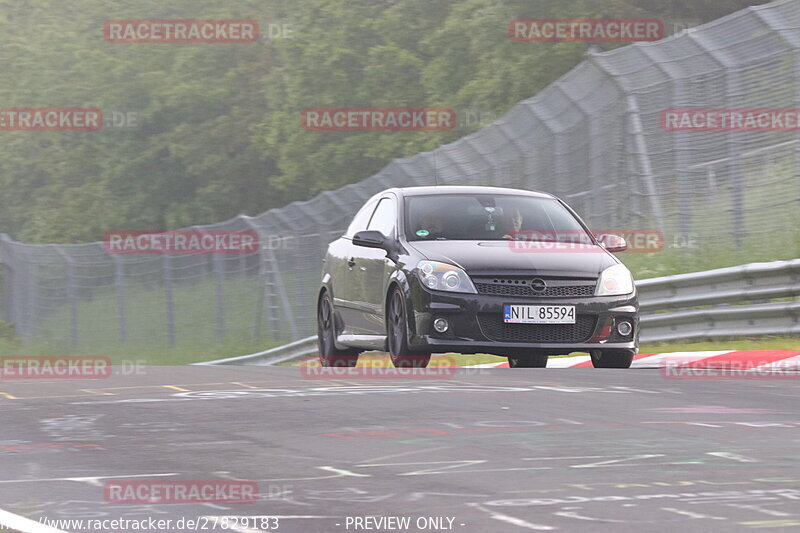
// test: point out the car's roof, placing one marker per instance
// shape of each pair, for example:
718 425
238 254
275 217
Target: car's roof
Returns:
463 189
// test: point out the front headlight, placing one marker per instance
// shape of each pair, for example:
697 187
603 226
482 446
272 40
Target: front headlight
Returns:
443 277
614 281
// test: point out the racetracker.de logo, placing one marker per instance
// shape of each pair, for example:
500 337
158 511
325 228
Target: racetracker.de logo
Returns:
55 367
585 30
378 119
684 368
50 119
180 492
576 241
181 242
181 31
380 367
722 119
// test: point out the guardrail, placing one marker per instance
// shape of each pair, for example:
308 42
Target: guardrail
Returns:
725 302
753 281
280 354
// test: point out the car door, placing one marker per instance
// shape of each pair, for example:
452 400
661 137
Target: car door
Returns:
373 269
341 265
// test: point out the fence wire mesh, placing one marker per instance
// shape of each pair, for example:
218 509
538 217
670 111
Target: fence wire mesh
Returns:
594 138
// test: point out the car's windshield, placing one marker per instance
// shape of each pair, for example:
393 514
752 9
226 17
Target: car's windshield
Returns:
490 217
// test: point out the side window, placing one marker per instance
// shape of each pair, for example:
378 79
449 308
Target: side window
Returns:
361 219
385 217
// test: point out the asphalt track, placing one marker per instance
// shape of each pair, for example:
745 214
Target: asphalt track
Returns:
494 450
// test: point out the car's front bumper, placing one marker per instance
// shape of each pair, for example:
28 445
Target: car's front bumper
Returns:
476 323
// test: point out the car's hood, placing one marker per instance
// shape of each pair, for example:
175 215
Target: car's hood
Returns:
504 257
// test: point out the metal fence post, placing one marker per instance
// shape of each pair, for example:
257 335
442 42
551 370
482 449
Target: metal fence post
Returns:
268 295
782 26
259 310
71 299
548 174
280 289
168 296
119 285
737 200
6 259
596 216
797 167
219 294
643 157
729 70
26 290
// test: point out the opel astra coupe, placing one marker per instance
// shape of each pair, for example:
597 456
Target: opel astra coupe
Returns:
470 270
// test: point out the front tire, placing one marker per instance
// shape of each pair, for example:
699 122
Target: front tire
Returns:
612 358
329 355
397 334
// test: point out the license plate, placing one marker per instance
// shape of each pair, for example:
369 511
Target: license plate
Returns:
538 314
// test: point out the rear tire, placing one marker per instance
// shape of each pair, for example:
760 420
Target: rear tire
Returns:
329 355
612 358
527 359
397 335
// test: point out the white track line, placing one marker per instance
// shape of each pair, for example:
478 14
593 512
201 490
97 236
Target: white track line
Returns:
92 480
25 525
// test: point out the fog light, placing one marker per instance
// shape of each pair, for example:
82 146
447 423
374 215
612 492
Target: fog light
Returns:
440 325
624 328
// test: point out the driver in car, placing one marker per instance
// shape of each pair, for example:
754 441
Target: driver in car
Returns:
512 224
431 227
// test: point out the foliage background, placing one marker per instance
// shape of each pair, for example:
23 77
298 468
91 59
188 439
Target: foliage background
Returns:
220 133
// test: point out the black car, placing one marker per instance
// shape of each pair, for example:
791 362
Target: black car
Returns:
475 270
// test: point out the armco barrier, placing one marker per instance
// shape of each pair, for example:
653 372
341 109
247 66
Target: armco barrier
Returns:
725 302
753 281
293 350
728 302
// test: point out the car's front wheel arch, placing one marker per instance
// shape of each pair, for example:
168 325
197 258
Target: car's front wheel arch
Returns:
322 292
329 353
398 280
398 313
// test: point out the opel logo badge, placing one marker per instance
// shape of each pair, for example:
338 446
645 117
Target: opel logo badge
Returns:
538 285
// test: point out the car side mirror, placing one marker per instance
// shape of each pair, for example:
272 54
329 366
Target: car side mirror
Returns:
370 239
612 243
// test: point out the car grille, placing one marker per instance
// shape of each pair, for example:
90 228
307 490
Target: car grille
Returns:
496 330
521 286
